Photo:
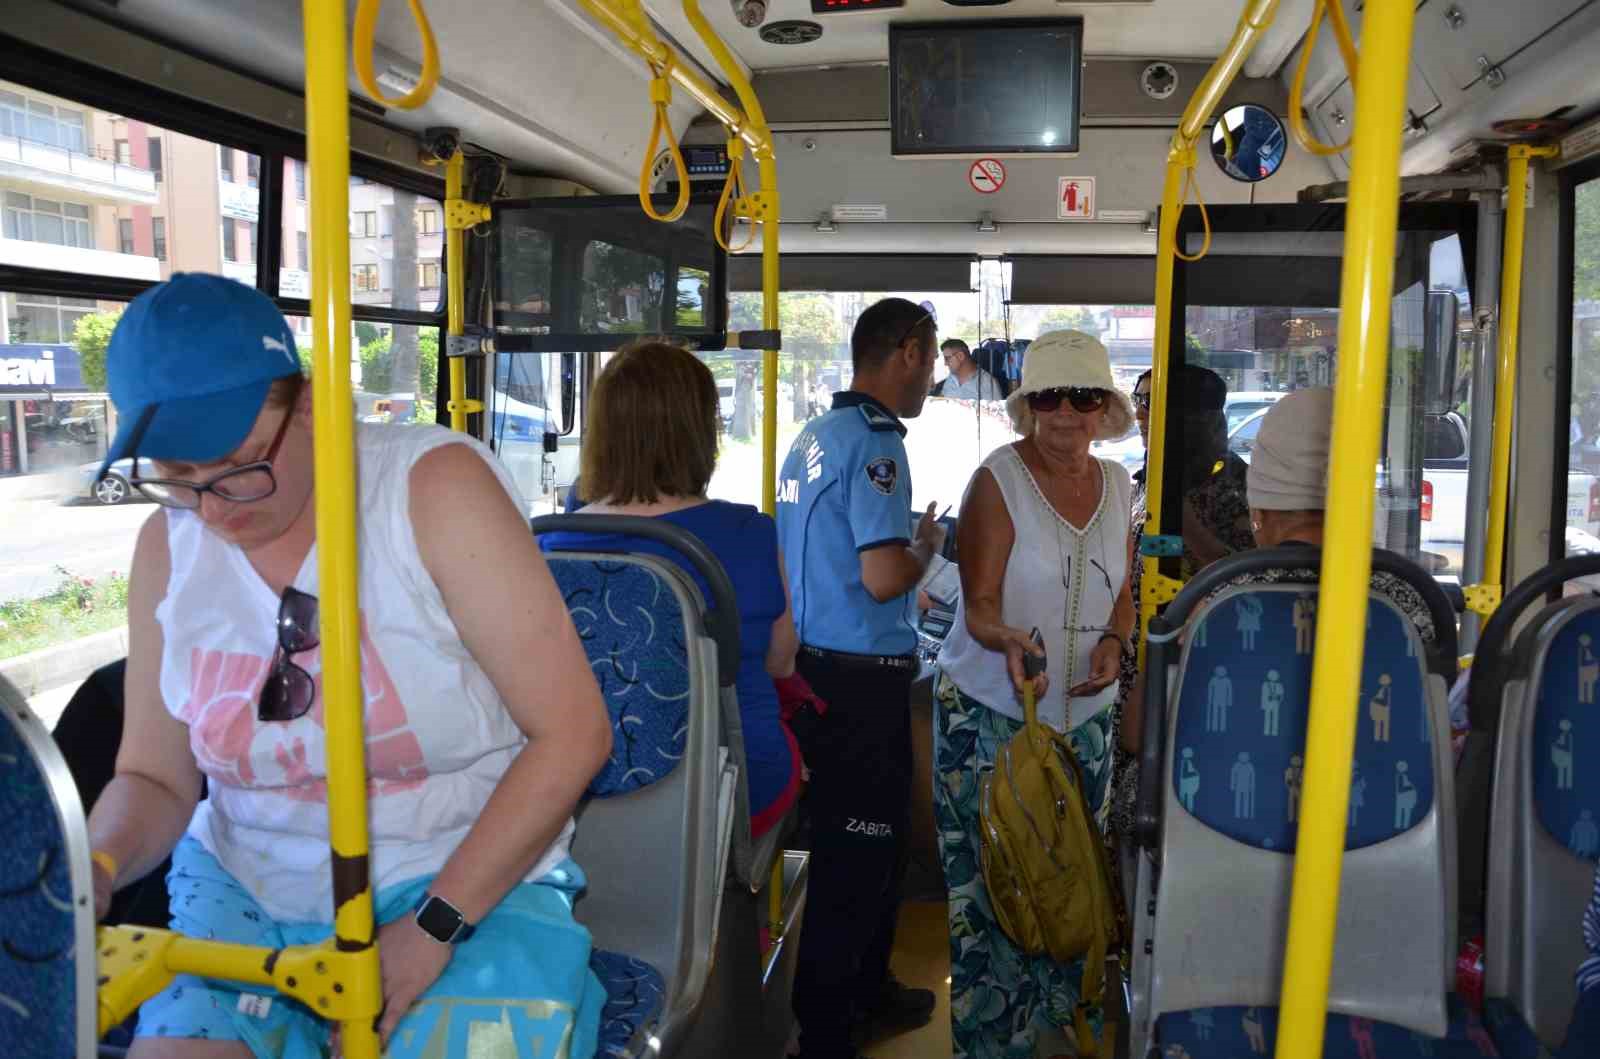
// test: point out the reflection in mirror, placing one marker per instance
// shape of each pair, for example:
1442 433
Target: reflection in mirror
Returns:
1248 143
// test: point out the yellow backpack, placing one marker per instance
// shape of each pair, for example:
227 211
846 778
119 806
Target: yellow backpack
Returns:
1043 860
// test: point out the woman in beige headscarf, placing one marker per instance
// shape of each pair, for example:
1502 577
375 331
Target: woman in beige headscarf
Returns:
1288 485
1044 544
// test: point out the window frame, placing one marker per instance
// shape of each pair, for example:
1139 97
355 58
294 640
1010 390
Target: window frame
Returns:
90 87
367 221
364 269
158 237
157 160
125 240
1566 270
225 171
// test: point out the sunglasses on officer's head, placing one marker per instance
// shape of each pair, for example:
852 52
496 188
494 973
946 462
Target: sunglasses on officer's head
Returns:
1081 398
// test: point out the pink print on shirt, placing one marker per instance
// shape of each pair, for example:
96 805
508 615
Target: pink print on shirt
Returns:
233 748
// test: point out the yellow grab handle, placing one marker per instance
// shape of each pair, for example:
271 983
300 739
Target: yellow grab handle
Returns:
1297 87
366 31
660 99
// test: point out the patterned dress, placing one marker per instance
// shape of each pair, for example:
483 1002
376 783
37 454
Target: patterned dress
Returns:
999 998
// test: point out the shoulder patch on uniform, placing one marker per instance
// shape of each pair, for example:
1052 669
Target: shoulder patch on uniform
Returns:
883 472
877 418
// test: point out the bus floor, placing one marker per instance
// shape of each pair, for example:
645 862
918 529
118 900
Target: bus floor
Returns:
921 960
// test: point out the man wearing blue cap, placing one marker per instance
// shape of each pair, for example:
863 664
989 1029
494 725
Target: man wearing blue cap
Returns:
483 721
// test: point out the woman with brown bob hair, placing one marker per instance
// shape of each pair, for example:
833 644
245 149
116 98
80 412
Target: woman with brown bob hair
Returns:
649 449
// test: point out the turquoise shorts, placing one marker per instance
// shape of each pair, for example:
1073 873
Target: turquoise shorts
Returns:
521 987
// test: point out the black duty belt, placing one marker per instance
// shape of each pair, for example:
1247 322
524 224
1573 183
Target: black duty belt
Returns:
906 662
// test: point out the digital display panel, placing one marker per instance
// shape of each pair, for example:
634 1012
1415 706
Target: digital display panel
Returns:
823 7
982 88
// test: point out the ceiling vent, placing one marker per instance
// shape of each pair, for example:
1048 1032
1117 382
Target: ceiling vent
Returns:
791 31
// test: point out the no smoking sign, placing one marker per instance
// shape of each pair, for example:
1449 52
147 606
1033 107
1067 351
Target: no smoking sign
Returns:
987 176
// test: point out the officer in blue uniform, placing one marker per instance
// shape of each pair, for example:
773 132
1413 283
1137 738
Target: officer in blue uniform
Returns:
854 560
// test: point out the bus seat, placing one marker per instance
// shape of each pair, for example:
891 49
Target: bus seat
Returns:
1228 780
648 834
1545 837
47 993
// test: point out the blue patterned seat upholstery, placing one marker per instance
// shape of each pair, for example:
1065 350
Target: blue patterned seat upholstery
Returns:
47 1003
1236 739
1544 827
633 1000
1243 1032
632 626
647 833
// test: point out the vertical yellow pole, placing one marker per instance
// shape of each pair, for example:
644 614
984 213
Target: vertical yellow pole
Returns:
1254 20
1505 386
769 320
1368 281
456 293
328 151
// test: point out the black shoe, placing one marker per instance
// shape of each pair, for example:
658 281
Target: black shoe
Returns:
898 1009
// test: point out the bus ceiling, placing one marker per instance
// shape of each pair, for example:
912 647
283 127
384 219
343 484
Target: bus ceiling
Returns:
826 92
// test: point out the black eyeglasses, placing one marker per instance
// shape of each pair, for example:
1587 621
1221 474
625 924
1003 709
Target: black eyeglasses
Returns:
289 690
1141 401
241 485
1081 398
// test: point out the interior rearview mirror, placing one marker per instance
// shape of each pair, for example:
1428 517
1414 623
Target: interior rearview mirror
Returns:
1248 142
1439 351
569 393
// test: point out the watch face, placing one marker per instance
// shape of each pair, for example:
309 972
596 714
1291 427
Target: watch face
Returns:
439 919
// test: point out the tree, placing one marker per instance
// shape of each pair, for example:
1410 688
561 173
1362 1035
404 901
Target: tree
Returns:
377 369
91 335
1586 243
404 373
1069 318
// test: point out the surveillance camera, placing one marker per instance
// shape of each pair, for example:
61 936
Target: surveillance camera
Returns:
750 13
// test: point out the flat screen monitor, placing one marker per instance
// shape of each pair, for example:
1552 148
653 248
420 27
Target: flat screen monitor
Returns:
985 88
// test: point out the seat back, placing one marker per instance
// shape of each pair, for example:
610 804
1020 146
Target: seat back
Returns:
1545 820
648 836
1230 781
47 968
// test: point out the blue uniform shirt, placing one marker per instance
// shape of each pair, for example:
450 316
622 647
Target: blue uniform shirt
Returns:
844 488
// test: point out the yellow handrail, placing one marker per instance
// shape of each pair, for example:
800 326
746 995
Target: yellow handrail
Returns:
631 25
366 34
459 217
328 152
1334 9
1253 22
1367 284
1487 596
761 208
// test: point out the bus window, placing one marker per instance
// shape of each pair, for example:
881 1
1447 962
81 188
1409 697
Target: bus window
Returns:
1583 432
524 406
944 444
90 192
622 290
396 244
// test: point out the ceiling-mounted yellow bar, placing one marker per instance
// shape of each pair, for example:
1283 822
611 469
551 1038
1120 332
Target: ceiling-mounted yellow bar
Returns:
1253 22
627 20
1367 286
761 208
1486 597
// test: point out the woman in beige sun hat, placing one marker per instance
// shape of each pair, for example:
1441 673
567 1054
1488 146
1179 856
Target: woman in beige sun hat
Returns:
1044 544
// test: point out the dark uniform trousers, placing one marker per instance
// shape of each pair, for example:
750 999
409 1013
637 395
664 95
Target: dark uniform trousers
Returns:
858 804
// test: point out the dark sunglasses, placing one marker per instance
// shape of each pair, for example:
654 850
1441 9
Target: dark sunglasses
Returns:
1081 398
289 690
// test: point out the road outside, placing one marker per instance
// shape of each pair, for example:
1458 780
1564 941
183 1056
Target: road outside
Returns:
40 530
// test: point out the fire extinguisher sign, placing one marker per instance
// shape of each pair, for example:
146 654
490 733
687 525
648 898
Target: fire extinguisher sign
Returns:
1075 199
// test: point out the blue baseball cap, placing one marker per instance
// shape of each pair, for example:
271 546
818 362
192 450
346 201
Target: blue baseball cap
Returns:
189 367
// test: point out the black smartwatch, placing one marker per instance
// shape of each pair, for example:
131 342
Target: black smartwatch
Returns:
441 920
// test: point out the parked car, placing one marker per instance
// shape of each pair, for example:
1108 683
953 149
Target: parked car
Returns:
110 490
1246 403
1444 482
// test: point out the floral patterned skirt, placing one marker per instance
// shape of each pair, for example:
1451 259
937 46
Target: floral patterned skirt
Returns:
999 997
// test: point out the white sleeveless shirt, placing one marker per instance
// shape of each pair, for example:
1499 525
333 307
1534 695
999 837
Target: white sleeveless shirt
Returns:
1070 612
438 736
